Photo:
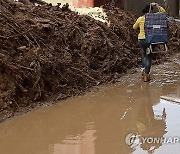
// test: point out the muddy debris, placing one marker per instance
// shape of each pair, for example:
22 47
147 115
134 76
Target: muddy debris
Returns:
51 53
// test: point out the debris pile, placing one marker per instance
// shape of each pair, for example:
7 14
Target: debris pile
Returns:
51 52
174 30
97 13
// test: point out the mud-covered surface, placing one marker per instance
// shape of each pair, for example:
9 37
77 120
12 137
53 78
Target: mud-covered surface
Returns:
100 121
51 53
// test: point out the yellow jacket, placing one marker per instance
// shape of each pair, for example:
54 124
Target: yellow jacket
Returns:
140 24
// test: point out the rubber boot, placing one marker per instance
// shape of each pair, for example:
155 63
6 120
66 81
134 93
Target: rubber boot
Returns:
146 77
142 72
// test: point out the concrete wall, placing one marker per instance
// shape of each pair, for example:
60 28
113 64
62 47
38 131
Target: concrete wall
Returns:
136 6
173 7
116 3
83 3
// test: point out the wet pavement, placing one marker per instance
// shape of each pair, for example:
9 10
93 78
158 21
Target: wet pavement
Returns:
103 121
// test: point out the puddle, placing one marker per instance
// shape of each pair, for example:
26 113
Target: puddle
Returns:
99 122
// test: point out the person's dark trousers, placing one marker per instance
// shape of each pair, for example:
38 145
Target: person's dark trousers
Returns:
146 60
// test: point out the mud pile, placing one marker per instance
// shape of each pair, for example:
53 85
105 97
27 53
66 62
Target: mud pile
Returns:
97 13
48 52
174 30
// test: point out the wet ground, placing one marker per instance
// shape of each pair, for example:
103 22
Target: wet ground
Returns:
99 122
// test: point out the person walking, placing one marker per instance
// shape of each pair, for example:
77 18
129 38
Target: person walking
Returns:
139 24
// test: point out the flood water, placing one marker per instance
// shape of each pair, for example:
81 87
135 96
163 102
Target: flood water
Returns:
99 121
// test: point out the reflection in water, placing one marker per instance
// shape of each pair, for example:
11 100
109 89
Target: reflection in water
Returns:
153 123
99 122
83 143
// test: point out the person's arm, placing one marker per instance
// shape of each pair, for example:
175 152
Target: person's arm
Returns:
160 8
136 25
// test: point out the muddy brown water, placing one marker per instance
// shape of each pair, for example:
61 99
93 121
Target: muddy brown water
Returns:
99 122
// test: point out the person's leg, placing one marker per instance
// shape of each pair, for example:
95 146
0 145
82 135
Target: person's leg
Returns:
146 60
143 46
147 63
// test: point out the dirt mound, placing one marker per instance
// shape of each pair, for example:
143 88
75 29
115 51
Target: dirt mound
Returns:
48 52
174 44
